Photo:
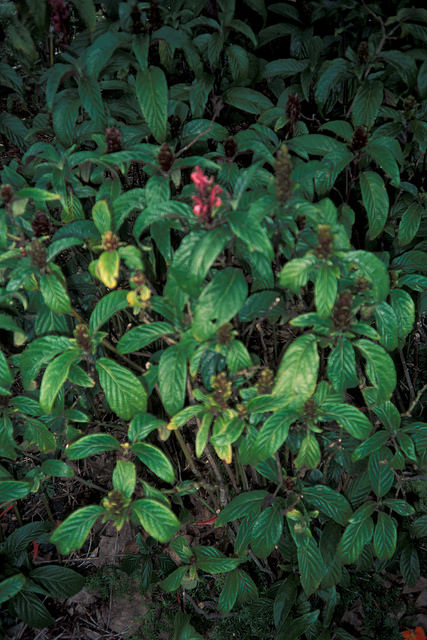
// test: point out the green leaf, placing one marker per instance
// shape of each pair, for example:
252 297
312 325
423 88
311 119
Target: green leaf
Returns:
330 78
266 531
40 351
228 595
215 565
375 200
404 64
123 390
325 290
247 99
315 144
72 533
420 526
36 432
309 454
310 563
284 68
173 581
124 477
354 539
152 94
7 323
140 47
143 424
251 232
65 113
79 377
91 445
9 78
238 357
379 368
191 273
351 418
272 434
155 460
106 307
219 301
13 129
410 565
296 273
242 505
371 445
11 490
101 216
410 223
387 325
341 128
247 587
199 92
38 195
13 585
54 293
385 536
404 309
374 270
172 378
329 502
295 628
57 469
107 268
27 607
284 600
297 375
342 365
91 98
54 377
367 103
181 547
60 245
6 378
87 12
156 518
125 204
59 582
364 511
380 474
399 506
384 159
203 434
143 335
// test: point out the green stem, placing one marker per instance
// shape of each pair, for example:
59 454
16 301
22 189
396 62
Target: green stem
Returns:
186 452
47 507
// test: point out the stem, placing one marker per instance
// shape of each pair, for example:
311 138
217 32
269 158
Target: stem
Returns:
199 135
415 401
407 376
381 44
47 507
18 515
223 498
186 452
231 476
110 347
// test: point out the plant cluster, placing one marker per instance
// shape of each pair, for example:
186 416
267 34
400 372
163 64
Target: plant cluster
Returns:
213 274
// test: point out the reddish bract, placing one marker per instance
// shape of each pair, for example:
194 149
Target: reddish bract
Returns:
208 197
414 634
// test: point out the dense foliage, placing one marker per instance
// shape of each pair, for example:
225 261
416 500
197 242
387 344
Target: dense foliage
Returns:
213 274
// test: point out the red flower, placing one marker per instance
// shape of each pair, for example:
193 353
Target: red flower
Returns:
208 198
417 634
201 182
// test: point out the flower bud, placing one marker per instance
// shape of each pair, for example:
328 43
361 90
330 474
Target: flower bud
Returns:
283 170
